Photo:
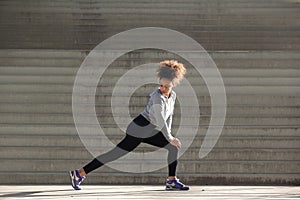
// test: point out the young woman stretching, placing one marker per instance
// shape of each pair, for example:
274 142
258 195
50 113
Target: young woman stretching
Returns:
152 126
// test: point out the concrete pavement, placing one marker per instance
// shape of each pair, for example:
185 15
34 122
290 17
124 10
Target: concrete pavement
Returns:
144 192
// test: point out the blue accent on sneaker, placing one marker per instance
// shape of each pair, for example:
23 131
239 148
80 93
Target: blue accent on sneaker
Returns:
76 179
176 185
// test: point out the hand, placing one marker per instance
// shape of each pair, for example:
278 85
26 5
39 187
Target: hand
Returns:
176 142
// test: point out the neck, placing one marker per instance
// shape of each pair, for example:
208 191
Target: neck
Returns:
168 95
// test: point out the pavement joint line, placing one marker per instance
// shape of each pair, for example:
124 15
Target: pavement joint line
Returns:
145 192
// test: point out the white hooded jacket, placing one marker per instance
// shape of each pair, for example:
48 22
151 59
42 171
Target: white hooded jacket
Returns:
159 111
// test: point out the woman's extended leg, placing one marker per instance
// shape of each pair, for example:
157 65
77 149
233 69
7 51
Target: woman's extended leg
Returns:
128 144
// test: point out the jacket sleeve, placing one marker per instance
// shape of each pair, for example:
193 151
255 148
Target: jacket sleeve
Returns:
169 122
157 119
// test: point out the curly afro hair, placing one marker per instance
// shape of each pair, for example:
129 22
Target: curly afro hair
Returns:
172 70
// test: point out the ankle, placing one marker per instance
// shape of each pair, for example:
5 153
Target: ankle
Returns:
171 178
82 172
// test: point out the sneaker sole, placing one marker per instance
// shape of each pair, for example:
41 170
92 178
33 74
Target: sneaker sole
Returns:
176 189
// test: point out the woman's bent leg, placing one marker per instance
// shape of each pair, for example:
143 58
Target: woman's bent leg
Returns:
172 159
128 144
159 140
172 182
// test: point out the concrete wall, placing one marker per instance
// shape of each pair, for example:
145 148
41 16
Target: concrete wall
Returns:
255 45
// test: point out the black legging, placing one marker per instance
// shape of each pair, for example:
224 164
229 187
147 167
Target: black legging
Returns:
129 143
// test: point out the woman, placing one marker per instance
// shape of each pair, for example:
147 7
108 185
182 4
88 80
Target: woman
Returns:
152 126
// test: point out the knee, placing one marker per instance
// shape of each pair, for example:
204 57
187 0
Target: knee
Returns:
172 148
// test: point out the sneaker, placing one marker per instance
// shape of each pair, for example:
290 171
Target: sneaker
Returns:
76 179
176 185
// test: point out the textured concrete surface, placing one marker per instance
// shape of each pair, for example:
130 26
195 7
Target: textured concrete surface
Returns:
147 192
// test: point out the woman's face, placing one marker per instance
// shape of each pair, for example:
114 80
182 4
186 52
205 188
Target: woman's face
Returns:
165 86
